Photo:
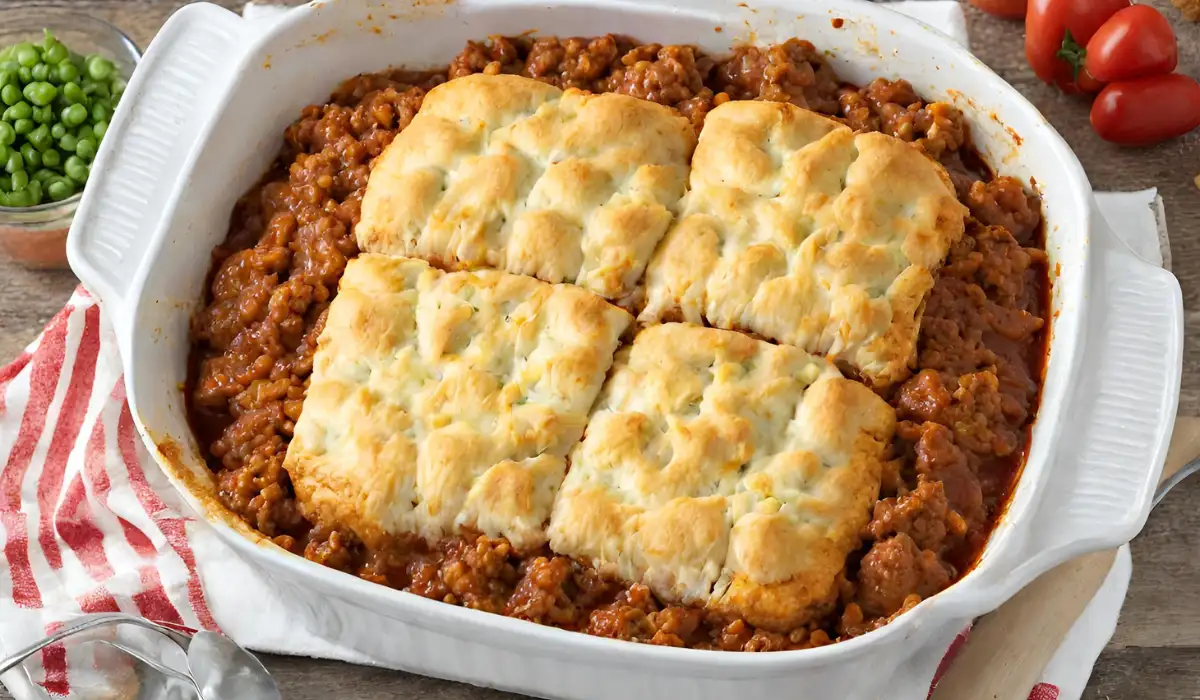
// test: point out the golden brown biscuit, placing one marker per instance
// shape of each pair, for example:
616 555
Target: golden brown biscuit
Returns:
725 471
448 401
508 172
799 230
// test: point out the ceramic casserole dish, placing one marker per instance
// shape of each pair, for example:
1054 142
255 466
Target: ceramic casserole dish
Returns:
202 124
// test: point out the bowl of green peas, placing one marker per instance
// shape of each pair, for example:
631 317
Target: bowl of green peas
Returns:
62 76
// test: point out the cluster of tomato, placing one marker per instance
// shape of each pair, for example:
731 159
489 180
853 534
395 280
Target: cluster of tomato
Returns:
1126 53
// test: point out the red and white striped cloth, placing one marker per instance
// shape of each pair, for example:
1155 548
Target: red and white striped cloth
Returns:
84 529
86 526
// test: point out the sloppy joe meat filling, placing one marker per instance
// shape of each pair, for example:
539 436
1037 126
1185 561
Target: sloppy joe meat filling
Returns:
964 414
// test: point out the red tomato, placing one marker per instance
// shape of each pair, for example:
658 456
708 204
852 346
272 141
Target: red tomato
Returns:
1013 9
1146 111
1135 42
1047 23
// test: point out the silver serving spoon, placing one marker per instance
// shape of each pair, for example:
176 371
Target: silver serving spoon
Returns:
148 661
221 669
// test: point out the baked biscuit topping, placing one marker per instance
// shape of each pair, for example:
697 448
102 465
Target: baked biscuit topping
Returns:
799 230
727 471
448 401
511 173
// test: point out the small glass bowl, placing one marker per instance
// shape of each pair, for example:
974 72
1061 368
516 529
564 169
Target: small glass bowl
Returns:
36 237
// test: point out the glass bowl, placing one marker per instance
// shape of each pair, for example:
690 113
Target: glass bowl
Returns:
36 237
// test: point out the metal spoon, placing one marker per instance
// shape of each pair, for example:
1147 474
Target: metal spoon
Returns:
221 669
152 663
1165 488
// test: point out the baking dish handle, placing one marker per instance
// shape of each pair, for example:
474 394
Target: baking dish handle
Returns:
169 99
1118 427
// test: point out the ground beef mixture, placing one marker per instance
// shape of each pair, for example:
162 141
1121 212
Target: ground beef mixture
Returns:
964 414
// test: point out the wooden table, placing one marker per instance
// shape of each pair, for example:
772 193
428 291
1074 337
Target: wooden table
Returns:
1153 655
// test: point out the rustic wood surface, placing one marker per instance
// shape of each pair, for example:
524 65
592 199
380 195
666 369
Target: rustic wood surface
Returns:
1154 654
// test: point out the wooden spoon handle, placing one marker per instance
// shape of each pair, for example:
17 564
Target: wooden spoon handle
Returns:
1009 649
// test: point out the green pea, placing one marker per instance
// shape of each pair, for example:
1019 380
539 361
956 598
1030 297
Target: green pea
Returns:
30 155
67 72
4 150
93 89
20 110
10 94
44 175
60 189
27 55
20 180
23 126
14 163
118 87
48 114
101 112
86 149
40 137
55 54
51 158
40 72
25 73
73 93
35 193
74 115
58 131
100 129
7 134
68 143
7 77
11 66
76 169
99 67
84 131
5 183
40 93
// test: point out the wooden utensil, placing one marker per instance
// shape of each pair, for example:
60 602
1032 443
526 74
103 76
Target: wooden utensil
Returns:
1009 649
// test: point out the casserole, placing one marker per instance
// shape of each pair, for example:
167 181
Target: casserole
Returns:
212 95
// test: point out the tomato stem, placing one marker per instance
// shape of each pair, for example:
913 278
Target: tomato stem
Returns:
1073 53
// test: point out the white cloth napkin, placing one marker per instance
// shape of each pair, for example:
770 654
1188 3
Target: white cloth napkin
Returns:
88 523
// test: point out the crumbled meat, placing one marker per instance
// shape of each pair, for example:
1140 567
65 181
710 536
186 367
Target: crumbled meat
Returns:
626 617
571 63
891 106
939 459
922 397
789 72
664 74
895 570
498 55
1003 202
923 514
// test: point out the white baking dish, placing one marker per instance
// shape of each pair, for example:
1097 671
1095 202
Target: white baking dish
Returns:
203 120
